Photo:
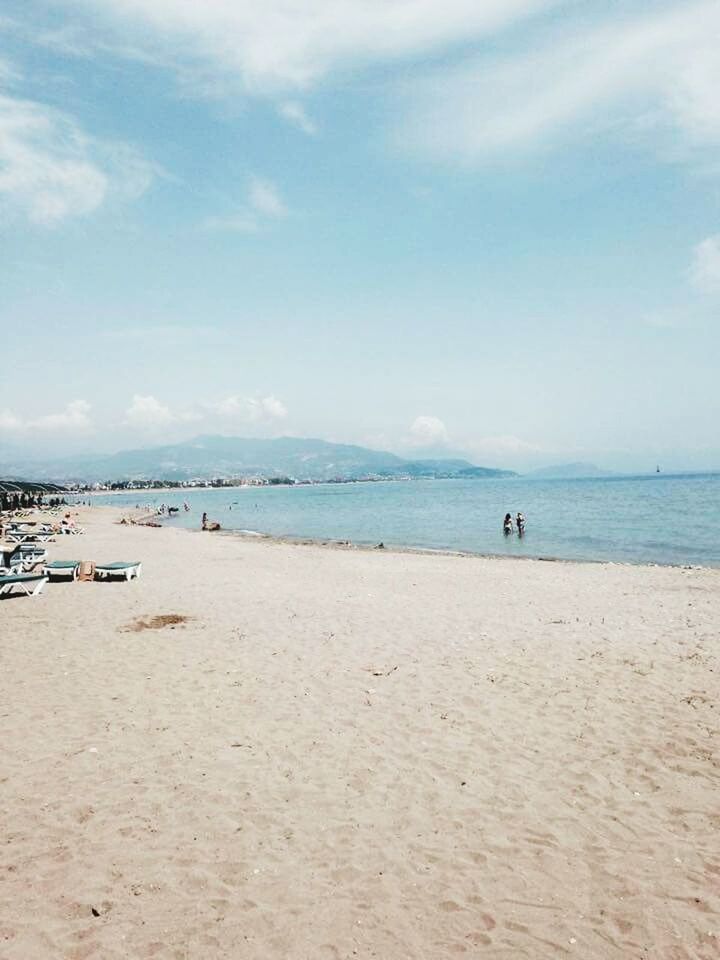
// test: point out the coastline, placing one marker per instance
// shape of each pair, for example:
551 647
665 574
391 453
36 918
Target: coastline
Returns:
451 757
663 528
397 548
439 551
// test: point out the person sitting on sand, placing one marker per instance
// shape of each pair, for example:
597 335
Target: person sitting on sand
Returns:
507 524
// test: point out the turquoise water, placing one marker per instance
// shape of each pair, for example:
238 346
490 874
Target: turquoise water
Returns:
653 519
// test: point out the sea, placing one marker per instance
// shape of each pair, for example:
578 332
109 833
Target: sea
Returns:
659 519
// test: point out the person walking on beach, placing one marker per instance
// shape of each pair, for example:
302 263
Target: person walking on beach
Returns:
204 521
507 524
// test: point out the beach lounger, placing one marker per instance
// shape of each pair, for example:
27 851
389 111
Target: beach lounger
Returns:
21 536
21 560
62 568
39 528
29 583
121 568
29 556
28 549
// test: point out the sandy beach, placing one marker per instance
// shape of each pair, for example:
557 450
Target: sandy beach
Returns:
268 750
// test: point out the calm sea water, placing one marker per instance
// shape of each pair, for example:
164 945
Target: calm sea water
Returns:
654 519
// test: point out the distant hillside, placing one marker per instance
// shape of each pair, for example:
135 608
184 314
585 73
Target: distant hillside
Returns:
570 471
224 457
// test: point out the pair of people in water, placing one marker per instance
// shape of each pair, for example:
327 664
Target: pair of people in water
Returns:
508 524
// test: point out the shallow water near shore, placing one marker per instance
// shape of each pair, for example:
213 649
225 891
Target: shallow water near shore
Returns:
649 519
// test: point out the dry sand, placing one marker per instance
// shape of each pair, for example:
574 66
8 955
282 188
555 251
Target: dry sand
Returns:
345 753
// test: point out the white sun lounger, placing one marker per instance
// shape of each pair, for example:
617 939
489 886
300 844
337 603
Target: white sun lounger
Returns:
23 536
121 568
29 583
26 556
10 566
62 568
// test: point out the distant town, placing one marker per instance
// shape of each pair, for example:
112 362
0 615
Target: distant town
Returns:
216 482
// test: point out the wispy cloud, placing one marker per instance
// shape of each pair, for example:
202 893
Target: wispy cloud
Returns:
265 198
649 76
10 422
285 45
263 203
545 82
295 113
705 269
50 169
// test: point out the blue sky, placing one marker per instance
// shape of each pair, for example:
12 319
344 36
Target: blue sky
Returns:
489 227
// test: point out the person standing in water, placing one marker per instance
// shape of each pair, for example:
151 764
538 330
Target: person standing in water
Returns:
204 521
507 524
520 522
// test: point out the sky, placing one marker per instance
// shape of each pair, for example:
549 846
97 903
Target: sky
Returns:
487 227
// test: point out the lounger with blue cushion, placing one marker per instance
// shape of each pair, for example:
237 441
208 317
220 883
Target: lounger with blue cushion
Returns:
29 583
62 568
121 568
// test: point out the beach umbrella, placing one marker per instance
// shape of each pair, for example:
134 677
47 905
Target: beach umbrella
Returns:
7 486
29 486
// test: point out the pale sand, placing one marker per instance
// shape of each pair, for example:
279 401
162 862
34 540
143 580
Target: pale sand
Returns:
358 754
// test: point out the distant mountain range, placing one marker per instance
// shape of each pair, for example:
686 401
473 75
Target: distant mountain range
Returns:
570 471
224 457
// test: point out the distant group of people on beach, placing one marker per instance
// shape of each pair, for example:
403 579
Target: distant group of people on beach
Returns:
165 510
519 524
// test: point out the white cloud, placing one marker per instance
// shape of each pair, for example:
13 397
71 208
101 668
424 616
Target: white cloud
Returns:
653 75
50 169
705 269
45 167
265 198
9 421
273 408
295 113
147 413
75 418
283 45
250 409
263 203
425 430
598 67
